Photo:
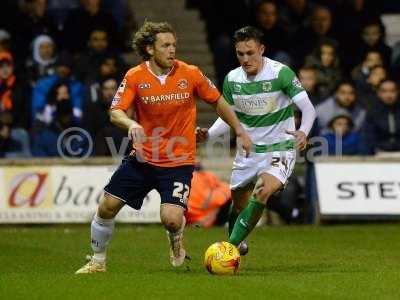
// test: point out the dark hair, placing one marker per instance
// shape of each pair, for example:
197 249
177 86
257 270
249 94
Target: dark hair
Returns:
388 79
65 59
104 79
341 116
146 36
52 95
259 3
377 67
345 82
247 33
373 51
308 68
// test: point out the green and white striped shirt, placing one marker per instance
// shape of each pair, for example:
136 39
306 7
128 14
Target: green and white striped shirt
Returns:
264 103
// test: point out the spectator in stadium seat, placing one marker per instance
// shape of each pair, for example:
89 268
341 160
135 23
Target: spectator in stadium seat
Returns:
381 132
96 120
341 131
372 35
219 33
295 13
88 63
59 10
42 62
360 73
45 140
306 39
82 21
349 19
14 142
14 93
31 21
275 36
344 101
60 92
326 62
367 92
108 69
309 81
46 84
125 18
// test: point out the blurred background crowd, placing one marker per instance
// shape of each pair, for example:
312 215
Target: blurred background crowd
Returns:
339 52
61 63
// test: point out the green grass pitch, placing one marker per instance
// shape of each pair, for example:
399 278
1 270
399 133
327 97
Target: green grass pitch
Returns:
300 262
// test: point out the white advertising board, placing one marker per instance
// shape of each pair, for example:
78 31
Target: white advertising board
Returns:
358 188
63 194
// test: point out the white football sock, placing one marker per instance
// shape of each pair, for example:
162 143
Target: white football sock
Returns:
101 232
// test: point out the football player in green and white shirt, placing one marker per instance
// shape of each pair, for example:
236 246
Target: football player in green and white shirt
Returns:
262 92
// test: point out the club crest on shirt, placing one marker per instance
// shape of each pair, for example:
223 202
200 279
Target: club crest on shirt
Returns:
296 82
144 85
182 84
237 88
266 86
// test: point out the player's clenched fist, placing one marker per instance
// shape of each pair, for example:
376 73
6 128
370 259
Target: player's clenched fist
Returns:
301 139
136 133
201 135
245 142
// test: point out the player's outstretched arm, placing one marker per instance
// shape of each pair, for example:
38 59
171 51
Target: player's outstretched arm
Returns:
135 131
218 128
226 113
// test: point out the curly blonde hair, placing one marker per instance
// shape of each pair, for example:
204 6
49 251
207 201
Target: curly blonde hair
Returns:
146 36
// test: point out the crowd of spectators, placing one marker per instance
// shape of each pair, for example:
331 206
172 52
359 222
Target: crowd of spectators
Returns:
61 61
60 64
337 48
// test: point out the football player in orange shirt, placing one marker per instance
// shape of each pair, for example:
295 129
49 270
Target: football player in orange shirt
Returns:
162 91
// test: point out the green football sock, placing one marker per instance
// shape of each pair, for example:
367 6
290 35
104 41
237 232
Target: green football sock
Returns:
231 219
246 221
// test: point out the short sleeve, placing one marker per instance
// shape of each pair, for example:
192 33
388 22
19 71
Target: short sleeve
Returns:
227 91
125 95
205 88
290 84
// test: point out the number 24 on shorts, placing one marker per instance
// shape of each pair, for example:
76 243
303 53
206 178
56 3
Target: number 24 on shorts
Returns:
181 191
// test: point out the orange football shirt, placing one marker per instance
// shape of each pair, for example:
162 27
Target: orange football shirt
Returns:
166 110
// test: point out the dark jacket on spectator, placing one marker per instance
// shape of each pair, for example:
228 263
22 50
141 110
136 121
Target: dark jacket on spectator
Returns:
14 97
80 24
25 28
381 131
97 121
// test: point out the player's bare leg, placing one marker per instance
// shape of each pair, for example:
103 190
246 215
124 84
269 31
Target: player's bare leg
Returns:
102 228
240 199
173 219
248 218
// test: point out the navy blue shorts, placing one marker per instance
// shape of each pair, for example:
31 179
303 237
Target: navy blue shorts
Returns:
133 180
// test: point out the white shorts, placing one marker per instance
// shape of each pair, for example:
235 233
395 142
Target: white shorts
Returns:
279 164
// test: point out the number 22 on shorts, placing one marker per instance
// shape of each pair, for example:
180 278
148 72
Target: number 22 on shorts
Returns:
181 191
